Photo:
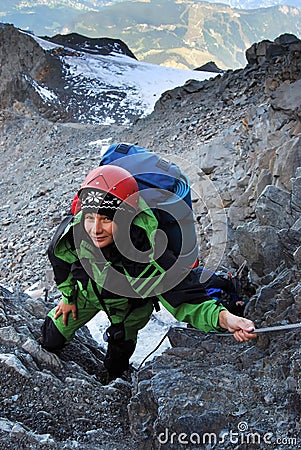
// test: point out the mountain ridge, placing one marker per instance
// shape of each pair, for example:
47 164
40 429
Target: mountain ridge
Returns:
100 46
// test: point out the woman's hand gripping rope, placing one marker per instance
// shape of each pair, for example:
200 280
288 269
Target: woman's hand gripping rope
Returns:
241 328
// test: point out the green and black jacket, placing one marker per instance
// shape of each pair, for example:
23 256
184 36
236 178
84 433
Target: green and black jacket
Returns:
76 260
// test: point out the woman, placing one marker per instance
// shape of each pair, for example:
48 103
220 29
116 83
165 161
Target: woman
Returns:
109 257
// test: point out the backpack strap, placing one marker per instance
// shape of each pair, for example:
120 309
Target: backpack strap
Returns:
104 306
61 269
100 299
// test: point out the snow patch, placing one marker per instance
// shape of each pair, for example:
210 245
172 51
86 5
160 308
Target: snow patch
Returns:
46 94
148 338
115 87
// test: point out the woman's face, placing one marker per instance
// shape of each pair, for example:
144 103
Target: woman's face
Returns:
99 228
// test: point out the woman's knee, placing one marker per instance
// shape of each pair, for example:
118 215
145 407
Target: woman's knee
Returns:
52 339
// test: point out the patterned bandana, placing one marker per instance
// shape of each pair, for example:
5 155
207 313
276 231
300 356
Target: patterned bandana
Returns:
96 201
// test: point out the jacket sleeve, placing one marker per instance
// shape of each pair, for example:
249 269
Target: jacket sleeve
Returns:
68 289
203 316
188 301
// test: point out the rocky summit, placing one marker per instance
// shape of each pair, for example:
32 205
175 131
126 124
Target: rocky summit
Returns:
237 136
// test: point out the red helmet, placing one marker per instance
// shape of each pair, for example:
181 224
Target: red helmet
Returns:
114 180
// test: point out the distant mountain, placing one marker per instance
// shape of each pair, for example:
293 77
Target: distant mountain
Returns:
183 34
188 34
43 16
29 5
253 4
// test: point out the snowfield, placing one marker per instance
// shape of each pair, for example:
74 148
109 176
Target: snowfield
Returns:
115 88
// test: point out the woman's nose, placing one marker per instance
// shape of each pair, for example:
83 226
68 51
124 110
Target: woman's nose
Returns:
97 226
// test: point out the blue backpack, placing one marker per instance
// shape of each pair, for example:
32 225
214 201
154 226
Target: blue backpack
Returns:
166 191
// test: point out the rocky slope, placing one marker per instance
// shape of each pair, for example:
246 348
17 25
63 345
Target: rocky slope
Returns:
238 136
79 79
47 74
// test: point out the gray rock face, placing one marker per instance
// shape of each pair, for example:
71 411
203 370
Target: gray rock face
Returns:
271 240
45 79
192 397
263 52
268 205
288 98
51 402
23 62
239 137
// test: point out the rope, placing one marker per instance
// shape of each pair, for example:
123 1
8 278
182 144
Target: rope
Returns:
288 327
153 351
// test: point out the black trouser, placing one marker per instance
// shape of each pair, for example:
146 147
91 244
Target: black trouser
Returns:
52 339
117 357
